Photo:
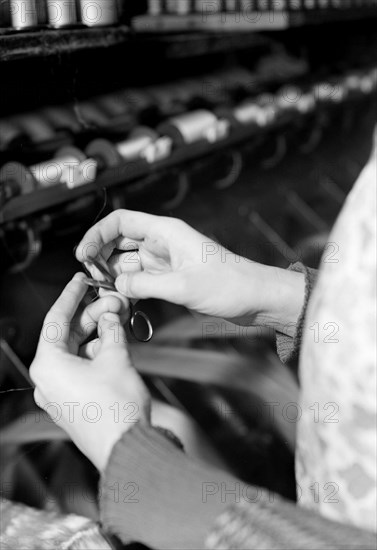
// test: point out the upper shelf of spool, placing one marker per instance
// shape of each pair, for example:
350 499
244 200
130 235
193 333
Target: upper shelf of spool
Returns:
19 45
173 36
42 42
249 22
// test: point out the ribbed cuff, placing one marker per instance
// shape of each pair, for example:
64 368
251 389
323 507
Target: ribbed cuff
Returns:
152 493
287 346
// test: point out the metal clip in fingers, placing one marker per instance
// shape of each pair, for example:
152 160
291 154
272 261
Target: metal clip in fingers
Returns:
145 317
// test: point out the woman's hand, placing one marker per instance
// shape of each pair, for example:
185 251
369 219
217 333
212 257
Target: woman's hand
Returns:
96 397
176 263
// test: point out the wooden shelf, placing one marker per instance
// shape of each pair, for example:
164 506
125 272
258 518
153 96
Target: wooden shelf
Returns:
173 45
44 41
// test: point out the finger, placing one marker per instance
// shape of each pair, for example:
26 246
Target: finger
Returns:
87 322
164 286
124 311
127 262
90 350
56 327
126 223
111 333
125 243
38 398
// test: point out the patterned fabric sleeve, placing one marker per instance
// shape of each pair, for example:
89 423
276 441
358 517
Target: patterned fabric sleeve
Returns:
27 528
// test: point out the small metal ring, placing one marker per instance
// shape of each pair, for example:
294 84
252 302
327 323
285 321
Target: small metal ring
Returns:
277 156
34 247
183 188
139 313
234 172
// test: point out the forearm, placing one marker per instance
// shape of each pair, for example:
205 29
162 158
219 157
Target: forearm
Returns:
153 493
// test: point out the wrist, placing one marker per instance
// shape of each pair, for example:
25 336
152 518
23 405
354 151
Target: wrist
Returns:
284 296
276 297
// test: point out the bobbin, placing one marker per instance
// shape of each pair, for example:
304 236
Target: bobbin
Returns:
98 13
10 133
260 112
15 178
90 114
35 126
194 126
24 14
61 13
121 119
61 117
321 92
133 148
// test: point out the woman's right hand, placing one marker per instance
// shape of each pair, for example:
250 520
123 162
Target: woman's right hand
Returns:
178 264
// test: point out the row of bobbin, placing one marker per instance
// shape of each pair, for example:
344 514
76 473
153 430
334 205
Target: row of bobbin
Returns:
28 14
119 112
70 166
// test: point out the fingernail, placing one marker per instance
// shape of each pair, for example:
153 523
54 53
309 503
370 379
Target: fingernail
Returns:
112 317
121 282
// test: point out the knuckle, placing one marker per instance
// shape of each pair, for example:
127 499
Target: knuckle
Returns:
35 371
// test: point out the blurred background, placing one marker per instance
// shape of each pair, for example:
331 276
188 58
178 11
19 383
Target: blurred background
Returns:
250 121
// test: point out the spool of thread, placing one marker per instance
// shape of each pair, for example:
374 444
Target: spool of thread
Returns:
287 98
255 112
189 127
142 143
306 103
35 127
89 114
61 13
70 167
23 14
61 118
133 147
158 150
98 13
9 132
231 5
63 168
367 83
180 7
329 92
54 171
205 7
154 7
15 179
112 104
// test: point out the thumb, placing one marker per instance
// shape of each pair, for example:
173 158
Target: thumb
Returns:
111 333
142 285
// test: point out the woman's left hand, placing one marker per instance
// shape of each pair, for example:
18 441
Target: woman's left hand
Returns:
97 396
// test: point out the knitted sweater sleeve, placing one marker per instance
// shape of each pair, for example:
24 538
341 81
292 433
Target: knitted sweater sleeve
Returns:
152 492
288 347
